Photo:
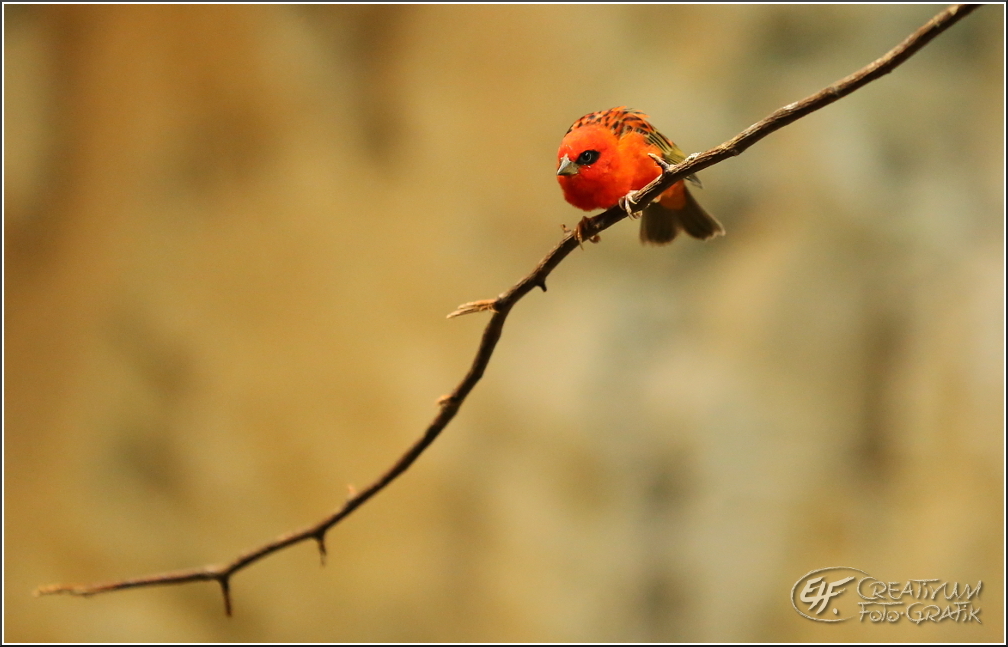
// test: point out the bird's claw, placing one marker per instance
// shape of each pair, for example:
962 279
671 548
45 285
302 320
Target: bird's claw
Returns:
581 232
629 204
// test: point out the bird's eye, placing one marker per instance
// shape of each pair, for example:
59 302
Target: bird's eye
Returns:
588 157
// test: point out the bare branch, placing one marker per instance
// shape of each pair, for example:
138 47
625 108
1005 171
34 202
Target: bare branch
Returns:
500 307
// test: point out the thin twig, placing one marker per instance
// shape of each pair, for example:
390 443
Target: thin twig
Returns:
501 307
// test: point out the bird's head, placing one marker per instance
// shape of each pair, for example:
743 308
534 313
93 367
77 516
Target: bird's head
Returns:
587 156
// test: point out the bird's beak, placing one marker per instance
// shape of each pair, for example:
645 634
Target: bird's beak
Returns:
567 167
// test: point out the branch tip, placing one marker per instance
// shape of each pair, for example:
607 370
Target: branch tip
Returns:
70 589
474 306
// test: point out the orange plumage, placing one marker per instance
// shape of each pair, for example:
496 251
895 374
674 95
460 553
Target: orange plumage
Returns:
604 156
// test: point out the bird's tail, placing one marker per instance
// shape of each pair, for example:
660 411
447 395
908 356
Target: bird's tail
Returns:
677 210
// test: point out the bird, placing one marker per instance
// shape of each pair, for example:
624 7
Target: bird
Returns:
604 157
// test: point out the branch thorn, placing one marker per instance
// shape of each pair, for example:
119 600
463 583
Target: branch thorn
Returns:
226 591
665 166
320 542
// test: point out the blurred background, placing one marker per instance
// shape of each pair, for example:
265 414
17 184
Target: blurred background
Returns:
232 235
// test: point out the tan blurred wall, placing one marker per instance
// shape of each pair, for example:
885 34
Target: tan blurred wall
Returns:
232 235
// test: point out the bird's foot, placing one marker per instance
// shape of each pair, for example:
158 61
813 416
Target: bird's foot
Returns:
581 232
628 203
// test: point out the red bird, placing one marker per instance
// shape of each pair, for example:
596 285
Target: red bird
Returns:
604 156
